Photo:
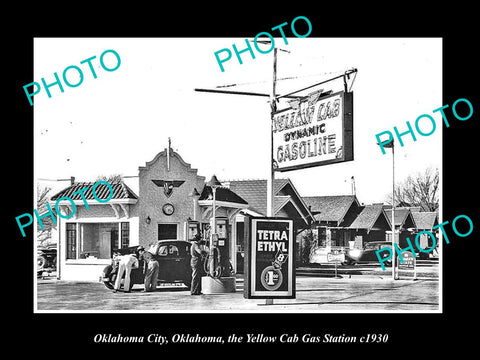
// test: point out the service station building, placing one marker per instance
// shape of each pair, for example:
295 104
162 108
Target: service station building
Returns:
174 202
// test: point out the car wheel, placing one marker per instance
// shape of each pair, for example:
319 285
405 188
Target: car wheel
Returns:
107 273
108 285
41 262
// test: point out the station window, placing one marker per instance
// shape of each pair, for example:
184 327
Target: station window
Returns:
97 240
71 240
125 234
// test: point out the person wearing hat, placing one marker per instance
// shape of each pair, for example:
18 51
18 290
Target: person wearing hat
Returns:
196 263
150 269
125 265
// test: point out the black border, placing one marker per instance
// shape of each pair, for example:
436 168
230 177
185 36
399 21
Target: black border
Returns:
416 334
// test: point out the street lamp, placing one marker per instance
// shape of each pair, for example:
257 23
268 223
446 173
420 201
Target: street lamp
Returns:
390 145
214 184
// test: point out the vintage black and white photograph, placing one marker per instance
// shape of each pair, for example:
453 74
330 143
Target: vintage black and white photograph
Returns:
278 173
220 179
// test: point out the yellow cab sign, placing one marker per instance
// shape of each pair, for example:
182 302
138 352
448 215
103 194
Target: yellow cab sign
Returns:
315 131
270 258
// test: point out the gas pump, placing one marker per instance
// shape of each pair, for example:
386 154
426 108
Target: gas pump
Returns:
193 228
218 261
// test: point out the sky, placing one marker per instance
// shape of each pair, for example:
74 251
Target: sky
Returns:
123 118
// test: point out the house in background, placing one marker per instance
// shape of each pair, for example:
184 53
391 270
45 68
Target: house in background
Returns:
333 216
426 221
405 226
371 224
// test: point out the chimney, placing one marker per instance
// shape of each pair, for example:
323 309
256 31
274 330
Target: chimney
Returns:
72 180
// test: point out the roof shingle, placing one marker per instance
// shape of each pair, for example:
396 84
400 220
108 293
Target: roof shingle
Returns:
102 192
255 192
330 208
367 217
221 194
401 215
425 220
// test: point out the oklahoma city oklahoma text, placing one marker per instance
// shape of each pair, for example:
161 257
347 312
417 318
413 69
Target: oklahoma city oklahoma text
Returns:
233 338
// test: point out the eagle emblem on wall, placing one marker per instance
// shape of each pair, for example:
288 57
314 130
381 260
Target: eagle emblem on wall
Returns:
168 185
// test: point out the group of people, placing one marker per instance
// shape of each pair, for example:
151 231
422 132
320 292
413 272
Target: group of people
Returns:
151 267
132 261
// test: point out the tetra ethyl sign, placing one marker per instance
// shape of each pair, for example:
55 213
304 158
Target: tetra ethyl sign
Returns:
270 258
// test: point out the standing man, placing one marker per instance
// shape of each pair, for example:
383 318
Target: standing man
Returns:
125 265
150 269
196 263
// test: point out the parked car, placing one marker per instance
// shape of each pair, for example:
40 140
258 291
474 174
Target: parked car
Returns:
46 257
323 255
368 253
173 257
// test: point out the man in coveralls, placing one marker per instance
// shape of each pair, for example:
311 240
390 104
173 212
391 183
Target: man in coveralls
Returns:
150 269
125 265
197 265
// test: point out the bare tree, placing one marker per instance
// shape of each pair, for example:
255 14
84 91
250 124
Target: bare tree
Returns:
419 190
42 199
112 178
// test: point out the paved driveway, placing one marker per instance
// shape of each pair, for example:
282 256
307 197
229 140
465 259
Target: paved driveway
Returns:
314 294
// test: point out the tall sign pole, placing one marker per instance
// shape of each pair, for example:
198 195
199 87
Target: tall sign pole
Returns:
273 106
271 177
393 214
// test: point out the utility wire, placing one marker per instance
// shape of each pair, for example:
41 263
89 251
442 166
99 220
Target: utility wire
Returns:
42 179
322 82
280 79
